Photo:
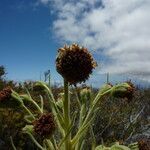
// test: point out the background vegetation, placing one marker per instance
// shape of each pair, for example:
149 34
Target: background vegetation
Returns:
118 119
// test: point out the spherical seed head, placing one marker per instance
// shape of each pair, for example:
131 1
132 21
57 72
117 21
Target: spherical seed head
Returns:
5 94
45 125
74 63
144 144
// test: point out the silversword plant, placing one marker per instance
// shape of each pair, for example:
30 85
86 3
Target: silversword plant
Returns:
75 64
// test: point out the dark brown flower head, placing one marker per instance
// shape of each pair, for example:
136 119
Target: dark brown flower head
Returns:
5 94
74 63
45 125
144 144
128 93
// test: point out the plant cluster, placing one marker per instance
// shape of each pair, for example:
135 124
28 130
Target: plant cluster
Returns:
55 130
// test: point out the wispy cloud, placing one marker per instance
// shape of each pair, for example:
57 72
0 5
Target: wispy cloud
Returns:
114 28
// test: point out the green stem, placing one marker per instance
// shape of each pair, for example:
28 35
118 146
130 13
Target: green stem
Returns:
95 102
78 97
55 112
66 103
49 144
35 141
12 143
33 102
37 106
90 112
54 142
42 103
67 114
28 111
81 117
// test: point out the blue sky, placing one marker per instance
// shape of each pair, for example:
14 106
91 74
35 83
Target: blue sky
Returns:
116 32
26 42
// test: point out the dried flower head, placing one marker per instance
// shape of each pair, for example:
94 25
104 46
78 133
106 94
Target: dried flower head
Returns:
125 93
74 63
144 144
45 125
10 99
5 94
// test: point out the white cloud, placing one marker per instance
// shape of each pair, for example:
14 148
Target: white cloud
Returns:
120 28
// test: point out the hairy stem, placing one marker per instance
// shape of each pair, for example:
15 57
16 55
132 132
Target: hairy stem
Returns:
67 114
37 106
35 141
12 143
28 111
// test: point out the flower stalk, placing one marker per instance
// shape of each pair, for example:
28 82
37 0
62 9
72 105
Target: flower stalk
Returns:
66 111
28 111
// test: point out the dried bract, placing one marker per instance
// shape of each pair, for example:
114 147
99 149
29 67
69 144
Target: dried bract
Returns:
5 94
144 144
45 125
